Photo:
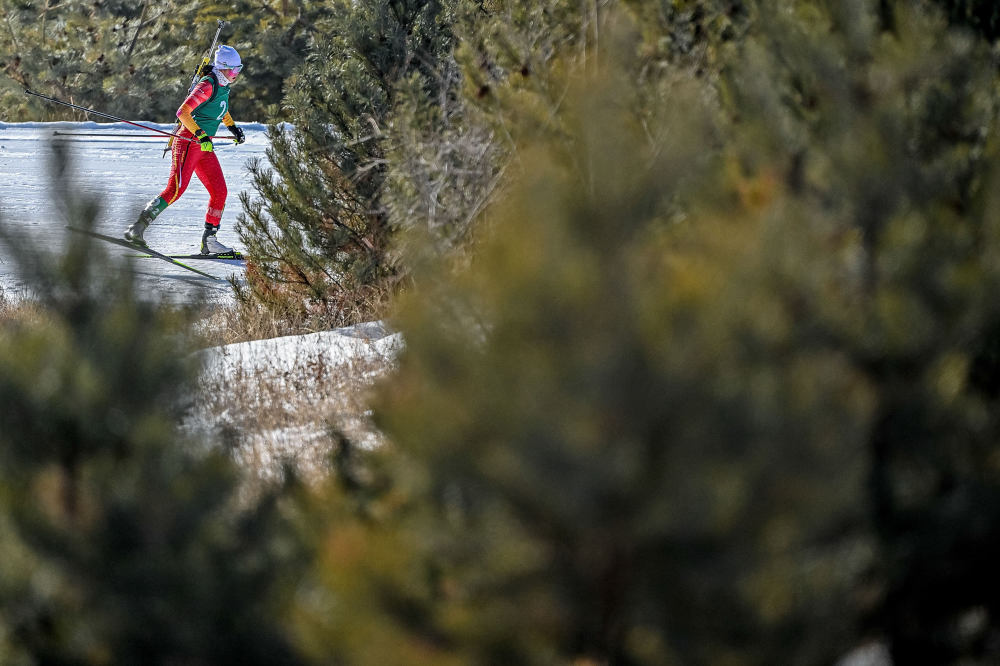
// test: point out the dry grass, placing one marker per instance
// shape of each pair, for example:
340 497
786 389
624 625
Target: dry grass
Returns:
19 311
287 310
268 412
246 319
270 415
274 411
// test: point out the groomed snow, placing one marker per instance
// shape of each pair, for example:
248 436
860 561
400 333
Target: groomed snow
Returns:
122 171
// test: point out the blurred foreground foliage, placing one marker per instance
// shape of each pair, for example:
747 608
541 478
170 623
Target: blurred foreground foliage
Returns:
121 542
718 384
701 364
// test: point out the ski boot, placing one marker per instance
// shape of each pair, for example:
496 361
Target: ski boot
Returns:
134 233
210 244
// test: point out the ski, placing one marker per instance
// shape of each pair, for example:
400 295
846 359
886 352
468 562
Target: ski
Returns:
222 256
148 251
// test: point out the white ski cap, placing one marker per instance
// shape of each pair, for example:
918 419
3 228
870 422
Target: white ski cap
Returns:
226 57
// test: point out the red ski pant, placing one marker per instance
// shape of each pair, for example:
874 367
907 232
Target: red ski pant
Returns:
187 158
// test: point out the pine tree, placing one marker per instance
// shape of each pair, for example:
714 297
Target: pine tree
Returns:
318 229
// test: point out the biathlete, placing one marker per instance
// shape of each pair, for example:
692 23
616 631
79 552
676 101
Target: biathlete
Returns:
200 115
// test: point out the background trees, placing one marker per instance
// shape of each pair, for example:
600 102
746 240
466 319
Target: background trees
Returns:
136 60
120 57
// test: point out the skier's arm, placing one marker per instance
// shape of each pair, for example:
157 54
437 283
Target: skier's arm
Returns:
201 93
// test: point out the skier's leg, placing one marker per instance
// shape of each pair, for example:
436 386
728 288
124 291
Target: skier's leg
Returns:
182 165
210 173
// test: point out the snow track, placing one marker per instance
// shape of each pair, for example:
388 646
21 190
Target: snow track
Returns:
122 172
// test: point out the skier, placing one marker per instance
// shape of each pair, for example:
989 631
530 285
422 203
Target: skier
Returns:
205 107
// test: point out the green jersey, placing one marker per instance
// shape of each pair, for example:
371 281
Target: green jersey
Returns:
208 104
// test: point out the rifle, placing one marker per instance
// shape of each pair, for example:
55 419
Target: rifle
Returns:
198 73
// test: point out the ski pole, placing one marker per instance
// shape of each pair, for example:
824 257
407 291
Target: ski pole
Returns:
105 115
126 136
107 134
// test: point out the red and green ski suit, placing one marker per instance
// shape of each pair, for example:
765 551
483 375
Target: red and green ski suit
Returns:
204 108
